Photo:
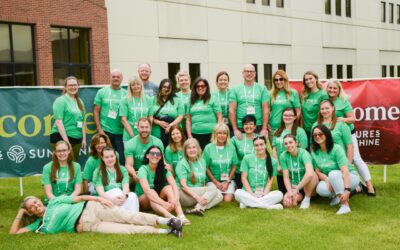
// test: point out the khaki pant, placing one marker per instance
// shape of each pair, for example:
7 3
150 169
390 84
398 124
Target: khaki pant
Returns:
96 218
211 194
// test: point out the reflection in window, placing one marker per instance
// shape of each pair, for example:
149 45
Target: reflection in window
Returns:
17 63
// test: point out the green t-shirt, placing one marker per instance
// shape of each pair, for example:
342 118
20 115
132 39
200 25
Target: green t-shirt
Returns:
173 157
341 134
301 138
111 177
172 110
133 110
184 98
67 110
326 162
220 160
243 147
295 165
204 116
60 216
134 148
310 108
62 186
183 170
109 101
343 107
223 100
257 173
146 173
281 103
91 164
249 100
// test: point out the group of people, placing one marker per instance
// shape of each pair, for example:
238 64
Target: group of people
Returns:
165 147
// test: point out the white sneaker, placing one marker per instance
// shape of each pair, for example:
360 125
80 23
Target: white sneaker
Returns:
242 206
305 204
185 221
335 200
275 207
344 209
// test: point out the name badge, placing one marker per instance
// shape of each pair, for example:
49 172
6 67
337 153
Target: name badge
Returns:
112 114
135 125
224 177
79 124
259 192
250 110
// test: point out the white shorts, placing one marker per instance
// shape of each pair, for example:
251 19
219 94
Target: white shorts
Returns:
231 188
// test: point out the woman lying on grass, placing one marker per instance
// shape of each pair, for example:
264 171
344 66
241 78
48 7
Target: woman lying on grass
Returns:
87 214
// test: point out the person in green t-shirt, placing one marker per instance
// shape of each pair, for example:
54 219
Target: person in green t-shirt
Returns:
133 107
87 214
157 188
258 171
174 151
222 95
345 113
112 181
298 174
191 173
97 144
62 176
337 176
310 98
167 111
69 118
282 97
221 161
184 83
289 125
106 112
203 114
244 146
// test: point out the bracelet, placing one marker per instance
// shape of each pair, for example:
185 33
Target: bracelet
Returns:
347 189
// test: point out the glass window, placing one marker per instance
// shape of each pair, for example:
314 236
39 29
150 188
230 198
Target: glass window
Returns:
256 67
391 70
265 2
71 54
280 3
247 1
339 71
17 63
349 71
268 75
173 68
398 14
383 12
384 71
329 71
391 12
348 8
282 66
194 70
328 9
338 7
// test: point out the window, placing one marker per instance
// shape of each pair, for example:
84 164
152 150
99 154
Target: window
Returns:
329 71
173 68
349 71
194 70
348 8
398 70
265 2
70 47
256 68
339 71
268 75
247 1
398 14
391 70
391 12
279 3
384 71
338 7
383 12
328 9
17 59
282 67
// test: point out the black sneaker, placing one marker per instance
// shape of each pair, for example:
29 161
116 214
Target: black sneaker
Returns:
175 223
176 232
195 211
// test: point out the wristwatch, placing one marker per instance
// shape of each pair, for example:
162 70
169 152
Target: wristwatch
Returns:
347 189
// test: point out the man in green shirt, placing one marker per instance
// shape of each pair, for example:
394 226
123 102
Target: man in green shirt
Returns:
106 112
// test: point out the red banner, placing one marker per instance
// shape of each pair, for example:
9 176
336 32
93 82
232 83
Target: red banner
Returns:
376 106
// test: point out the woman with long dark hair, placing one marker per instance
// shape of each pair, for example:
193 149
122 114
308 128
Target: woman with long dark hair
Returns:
157 188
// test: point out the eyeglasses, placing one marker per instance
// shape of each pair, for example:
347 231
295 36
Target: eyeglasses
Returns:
62 150
248 71
316 135
278 80
157 154
203 86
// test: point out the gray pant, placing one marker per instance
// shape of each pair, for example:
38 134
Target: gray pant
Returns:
335 178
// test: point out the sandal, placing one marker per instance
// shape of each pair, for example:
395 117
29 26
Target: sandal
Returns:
195 211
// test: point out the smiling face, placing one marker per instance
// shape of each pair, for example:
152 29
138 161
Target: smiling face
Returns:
249 127
144 72
71 87
333 90
62 151
184 82
34 206
191 150
288 117
249 73
326 110
310 82
223 82
166 89
116 78
144 129
102 144
176 135
109 157
154 156
318 136
222 137
259 146
290 144
136 88
201 88
279 81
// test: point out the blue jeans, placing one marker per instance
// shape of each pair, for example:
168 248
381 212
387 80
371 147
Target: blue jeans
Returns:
118 145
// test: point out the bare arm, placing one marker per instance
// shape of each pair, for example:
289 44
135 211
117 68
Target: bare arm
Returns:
265 119
269 185
232 118
153 197
48 190
189 125
245 182
129 162
77 189
127 126
96 116
16 225
61 130
350 153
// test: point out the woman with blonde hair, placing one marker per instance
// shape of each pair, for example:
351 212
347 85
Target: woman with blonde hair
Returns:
184 86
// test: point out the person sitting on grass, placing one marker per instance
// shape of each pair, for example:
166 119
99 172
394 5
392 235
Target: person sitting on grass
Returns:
87 214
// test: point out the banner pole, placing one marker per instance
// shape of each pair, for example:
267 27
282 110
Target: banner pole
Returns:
384 173
21 187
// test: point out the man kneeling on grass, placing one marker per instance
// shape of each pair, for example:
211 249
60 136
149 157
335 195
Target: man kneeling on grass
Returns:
87 214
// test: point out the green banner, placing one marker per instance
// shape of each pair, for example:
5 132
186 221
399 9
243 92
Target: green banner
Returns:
25 127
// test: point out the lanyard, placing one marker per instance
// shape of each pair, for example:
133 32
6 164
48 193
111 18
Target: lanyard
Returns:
245 146
220 156
226 100
245 95
66 182
110 102
263 178
112 178
199 168
292 169
139 106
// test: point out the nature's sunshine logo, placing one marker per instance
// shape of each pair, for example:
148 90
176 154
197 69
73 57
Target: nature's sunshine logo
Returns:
16 153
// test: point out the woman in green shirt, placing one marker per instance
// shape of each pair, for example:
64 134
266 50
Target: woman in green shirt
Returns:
69 118
191 173
258 171
298 174
289 125
157 188
87 214
184 85
203 114
167 111
62 176
345 113
221 161
337 176
174 151
222 95
112 181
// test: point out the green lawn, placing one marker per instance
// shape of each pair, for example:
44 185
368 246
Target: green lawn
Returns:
374 223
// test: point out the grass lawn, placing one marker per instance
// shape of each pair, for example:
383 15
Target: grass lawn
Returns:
374 223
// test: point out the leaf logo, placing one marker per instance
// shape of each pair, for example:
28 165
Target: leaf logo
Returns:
16 153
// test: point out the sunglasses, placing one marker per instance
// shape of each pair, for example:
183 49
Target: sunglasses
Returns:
315 135
201 86
278 80
157 154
